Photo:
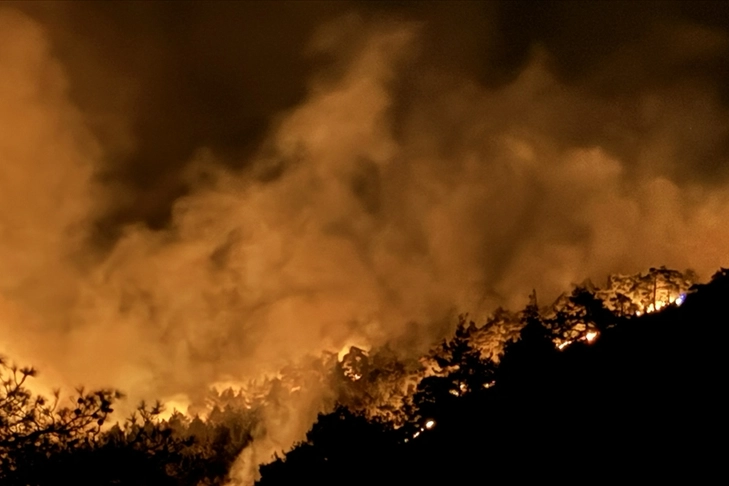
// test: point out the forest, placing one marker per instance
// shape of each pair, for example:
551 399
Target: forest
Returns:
619 382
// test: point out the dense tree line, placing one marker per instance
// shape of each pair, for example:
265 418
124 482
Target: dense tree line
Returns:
643 400
43 442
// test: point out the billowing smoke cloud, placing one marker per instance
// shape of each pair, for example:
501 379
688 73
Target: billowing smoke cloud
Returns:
393 196
47 195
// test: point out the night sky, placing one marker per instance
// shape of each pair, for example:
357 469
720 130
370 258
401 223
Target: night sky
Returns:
198 192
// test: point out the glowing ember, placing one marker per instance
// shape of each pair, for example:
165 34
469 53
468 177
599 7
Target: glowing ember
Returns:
658 305
589 337
429 424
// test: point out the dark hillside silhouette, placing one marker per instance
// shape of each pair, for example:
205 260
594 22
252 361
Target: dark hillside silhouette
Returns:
643 401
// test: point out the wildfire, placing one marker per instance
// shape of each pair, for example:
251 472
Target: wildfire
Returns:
429 424
625 297
564 344
589 337
662 304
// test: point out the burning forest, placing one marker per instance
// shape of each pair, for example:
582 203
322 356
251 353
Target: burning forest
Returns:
391 399
247 242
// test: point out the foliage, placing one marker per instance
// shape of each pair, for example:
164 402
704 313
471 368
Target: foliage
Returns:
499 398
590 410
463 369
34 427
44 443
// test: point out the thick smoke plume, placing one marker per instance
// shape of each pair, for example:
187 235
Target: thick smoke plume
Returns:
394 196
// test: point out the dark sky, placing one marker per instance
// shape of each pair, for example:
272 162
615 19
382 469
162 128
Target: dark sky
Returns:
161 79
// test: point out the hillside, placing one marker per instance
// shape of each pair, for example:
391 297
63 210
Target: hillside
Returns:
614 382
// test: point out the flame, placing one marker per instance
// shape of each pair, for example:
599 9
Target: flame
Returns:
564 344
590 337
660 304
653 307
429 424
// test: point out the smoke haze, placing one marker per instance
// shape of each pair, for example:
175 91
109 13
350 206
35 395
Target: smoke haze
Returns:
193 194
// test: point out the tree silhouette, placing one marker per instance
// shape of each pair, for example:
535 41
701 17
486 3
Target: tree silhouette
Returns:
464 372
33 428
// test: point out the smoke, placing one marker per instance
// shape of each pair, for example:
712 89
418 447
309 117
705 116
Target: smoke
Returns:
47 195
392 196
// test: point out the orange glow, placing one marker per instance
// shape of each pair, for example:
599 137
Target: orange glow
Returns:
347 348
658 305
563 344
590 337
177 403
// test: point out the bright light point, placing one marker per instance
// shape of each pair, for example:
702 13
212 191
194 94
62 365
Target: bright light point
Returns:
680 299
416 434
590 336
430 424
658 305
563 345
